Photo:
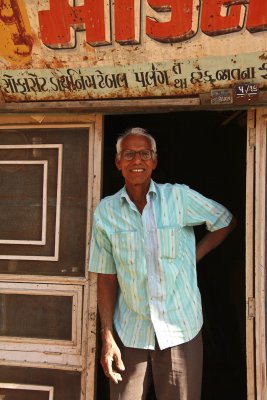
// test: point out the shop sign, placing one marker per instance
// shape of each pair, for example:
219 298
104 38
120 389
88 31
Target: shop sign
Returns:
84 49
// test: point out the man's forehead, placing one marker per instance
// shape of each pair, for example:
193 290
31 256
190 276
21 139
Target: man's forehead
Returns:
132 141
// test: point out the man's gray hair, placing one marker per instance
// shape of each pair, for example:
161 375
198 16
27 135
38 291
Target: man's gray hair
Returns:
138 132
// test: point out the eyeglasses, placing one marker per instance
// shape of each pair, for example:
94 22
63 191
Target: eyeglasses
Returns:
129 155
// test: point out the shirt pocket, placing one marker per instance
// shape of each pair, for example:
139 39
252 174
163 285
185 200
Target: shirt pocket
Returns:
124 247
169 241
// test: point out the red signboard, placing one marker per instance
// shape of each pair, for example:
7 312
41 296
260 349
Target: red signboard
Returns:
56 36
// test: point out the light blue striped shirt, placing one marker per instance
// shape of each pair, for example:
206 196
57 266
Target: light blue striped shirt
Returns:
154 257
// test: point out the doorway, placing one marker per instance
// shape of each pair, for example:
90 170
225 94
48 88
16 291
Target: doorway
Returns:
207 151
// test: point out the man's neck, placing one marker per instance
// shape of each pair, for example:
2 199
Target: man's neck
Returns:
137 194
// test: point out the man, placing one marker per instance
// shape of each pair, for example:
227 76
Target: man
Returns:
143 249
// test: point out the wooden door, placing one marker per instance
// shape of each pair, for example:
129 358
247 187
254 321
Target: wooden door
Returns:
49 185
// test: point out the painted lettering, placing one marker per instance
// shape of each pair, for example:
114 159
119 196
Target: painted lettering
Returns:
222 16
59 24
177 68
127 15
257 16
153 77
169 21
264 69
23 85
180 25
244 75
180 83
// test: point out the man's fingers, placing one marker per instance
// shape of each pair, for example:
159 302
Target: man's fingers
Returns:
119 363
108 370
115 377
107 366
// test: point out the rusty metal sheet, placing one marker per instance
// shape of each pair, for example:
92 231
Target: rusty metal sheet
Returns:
75 50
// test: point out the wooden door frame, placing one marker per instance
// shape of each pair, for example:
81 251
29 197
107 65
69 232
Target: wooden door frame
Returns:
260 262
256 254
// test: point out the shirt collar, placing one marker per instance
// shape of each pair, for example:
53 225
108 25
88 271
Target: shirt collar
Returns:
151 191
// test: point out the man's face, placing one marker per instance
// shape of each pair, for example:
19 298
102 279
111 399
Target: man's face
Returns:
136 171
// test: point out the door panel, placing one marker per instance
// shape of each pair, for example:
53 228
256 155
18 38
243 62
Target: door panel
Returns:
36 317
40 317
50 183
29 392
38 384
44 192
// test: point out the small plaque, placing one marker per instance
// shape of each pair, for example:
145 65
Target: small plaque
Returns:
246 92
221 96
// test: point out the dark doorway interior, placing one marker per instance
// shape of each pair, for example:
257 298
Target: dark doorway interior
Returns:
207 151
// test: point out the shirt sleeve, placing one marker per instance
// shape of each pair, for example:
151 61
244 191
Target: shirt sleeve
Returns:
202 210
101 258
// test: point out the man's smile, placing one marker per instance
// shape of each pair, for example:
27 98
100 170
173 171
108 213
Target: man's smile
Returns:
137 169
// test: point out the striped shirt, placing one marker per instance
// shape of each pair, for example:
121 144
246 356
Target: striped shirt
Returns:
154 257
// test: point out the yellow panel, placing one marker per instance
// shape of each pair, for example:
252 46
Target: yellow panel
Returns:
15 32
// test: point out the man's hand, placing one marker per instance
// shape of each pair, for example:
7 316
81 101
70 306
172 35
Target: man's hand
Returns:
111 358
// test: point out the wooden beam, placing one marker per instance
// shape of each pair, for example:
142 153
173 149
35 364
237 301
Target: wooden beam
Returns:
110 106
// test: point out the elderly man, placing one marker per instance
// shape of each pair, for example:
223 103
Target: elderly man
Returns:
143 249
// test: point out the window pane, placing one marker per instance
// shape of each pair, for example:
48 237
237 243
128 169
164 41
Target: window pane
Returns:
40 317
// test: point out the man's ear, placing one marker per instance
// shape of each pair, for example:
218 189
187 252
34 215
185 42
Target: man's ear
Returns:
118 163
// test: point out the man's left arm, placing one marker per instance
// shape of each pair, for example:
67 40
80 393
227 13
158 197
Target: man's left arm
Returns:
212 239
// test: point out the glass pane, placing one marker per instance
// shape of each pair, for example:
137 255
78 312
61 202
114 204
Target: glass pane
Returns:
40 317
66 384
33 208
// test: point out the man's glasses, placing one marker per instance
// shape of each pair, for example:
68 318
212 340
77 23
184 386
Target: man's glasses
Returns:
129 155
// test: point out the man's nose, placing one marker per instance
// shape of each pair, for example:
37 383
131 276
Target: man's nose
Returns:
137 157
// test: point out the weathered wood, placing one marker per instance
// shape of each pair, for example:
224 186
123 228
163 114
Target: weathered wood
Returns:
250 322
91 331
79 353
260 251
108 106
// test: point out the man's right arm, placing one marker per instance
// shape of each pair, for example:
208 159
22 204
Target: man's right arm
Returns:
107 286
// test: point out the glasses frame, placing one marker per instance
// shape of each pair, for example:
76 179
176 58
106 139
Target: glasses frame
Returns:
151 152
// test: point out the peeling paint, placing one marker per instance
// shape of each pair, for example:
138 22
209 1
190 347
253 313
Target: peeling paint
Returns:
16 35
203 36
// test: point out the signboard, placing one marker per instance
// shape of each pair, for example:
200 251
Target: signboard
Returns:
246 93
221 96
78 50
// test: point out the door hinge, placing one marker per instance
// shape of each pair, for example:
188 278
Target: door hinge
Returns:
251 308
252 137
